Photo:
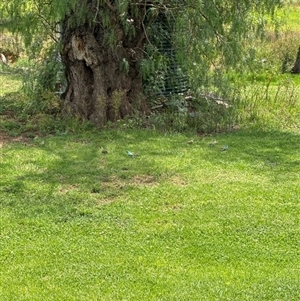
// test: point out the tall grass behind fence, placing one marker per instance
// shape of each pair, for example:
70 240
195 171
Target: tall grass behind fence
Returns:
270 105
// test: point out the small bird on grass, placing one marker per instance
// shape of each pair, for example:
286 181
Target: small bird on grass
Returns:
190 141
130 154
224 148
213 143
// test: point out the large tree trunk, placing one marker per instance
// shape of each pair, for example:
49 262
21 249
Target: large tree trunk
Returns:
296 68
104 83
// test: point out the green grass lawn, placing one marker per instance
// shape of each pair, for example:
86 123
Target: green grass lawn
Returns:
177 222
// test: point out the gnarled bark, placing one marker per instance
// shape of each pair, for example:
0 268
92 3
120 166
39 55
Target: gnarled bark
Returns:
104 83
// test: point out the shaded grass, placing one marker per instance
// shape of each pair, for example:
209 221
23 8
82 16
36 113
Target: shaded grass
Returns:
20 114
178 222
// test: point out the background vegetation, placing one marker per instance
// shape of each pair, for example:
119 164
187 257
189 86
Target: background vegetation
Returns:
261 93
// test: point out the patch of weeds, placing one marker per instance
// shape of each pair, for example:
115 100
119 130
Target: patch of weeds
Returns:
96 189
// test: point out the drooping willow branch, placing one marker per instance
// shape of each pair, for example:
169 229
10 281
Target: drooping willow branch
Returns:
111 7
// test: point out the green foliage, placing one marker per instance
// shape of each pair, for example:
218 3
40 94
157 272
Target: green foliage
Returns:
45 75
214 28
25 112
154 70
213 42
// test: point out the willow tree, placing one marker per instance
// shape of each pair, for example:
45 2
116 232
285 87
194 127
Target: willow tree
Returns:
103 43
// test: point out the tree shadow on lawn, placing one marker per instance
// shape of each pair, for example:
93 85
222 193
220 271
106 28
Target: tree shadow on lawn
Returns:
260 149
63 172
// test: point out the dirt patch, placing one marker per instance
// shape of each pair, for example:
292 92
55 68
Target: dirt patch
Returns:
4 139
144 180
178 181
67 188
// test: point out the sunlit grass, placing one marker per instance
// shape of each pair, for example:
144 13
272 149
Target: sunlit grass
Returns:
9 83
272 102
290 14
178 222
